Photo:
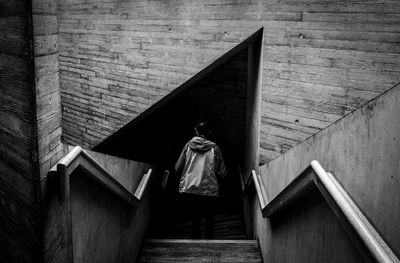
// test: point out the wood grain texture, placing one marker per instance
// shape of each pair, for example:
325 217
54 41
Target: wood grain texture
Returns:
48 119
321 59
20 218
48 96
362 151
200 251
30 120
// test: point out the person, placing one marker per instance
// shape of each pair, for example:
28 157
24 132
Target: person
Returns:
202 167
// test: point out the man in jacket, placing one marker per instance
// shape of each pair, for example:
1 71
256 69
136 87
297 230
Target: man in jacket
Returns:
201 167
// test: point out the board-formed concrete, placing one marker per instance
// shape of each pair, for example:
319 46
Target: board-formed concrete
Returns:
104 229
20 232
362 150
322 59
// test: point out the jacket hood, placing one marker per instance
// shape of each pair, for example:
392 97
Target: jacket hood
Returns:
200 144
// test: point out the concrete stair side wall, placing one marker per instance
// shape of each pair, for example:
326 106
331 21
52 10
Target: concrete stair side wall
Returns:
362 150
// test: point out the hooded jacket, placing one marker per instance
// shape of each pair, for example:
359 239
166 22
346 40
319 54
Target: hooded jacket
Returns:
202 165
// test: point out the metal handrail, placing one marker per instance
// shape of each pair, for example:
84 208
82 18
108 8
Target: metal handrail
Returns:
143 185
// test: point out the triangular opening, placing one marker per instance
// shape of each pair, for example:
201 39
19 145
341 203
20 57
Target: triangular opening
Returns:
217 94
226 94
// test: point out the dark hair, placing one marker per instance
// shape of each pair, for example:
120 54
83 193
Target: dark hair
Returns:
202 129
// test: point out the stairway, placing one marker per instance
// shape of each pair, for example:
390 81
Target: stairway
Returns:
200 250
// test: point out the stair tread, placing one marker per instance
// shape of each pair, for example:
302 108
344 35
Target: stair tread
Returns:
200 250
208 241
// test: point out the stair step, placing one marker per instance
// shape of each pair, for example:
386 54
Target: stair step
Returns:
200 250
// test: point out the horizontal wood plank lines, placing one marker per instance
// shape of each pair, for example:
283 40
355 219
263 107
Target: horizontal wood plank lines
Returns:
13 37
229 9
322 59
374 37
333 58
19 217
321 98
178 250
19 203
48 114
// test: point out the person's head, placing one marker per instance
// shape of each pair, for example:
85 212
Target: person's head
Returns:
202 129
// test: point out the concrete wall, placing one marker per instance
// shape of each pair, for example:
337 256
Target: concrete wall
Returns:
322 59
104 229
309 232
48 99
362 150
48 120
20 233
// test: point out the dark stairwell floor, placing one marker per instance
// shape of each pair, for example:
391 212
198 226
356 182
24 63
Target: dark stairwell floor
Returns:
173 222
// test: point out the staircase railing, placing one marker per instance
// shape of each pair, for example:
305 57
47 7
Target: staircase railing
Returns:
79 158
340 202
